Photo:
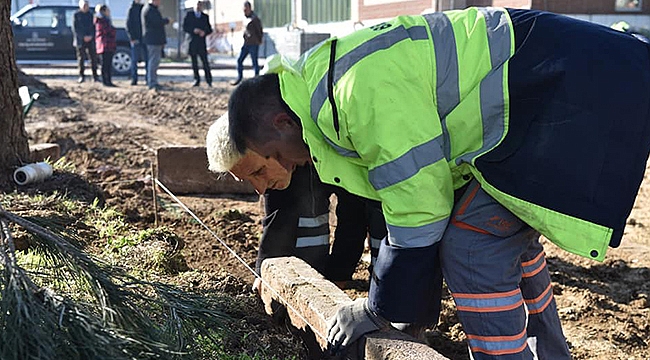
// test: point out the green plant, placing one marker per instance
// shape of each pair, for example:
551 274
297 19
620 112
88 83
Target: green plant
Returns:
58 302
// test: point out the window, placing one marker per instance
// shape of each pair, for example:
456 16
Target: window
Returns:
273 13
38 18
318 11
628 5
69 17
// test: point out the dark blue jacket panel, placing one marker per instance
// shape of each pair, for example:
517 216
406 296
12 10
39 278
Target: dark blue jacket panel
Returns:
82 25
579 113
197 42
134 22
306 196
153 26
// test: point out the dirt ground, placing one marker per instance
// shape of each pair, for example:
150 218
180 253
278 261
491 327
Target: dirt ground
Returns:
111 136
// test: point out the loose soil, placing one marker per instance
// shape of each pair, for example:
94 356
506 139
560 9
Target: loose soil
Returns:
111 134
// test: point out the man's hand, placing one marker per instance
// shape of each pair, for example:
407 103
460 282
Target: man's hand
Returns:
257 286
351 322
87 38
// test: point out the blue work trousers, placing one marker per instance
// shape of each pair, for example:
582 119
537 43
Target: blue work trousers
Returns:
496 271
253 50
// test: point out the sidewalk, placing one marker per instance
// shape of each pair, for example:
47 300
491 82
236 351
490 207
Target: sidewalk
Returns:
217 62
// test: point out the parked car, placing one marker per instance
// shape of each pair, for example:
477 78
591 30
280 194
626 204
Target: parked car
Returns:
45 33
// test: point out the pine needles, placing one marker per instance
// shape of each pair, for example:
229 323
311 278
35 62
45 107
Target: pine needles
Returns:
74 306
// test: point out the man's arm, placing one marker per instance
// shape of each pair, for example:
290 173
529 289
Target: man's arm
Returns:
130 22
188 25
260 30
154 18
208 29
400 141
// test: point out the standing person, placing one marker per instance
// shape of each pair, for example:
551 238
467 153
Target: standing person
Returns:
153 35
253 36
197 24
105 42
83 40
477 129
134 30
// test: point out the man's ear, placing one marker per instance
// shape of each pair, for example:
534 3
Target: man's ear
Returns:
282 122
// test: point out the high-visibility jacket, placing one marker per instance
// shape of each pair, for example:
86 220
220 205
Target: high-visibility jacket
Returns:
409 110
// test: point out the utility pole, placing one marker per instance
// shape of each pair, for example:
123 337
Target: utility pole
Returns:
181 7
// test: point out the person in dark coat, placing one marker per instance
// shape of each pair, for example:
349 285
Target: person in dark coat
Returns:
105 41
134 30
153 35
197 24
83 32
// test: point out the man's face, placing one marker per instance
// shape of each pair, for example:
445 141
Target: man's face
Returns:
278 157
247 10
198 7
85 7
264 173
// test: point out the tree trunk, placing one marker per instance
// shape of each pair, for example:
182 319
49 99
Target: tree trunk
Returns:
14 147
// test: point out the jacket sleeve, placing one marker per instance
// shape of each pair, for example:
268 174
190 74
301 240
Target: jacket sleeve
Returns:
208 29
188 27
79 29
75 28
279 227
258 29
394 126
100 31
131 22
153 18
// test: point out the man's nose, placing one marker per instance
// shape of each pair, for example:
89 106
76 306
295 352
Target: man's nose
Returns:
259 185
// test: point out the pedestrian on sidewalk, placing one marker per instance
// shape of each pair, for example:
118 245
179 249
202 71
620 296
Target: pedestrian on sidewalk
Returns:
105 42
253 36
477 129
197 25
153 34
83 40
134 30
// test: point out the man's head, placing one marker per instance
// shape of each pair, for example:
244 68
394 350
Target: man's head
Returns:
154 2
247 8
198 6
83 5
259 140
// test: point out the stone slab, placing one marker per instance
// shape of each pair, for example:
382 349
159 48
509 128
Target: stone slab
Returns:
43 151
311 300
184 170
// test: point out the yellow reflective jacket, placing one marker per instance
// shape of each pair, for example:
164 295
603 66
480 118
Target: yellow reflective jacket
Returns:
402 111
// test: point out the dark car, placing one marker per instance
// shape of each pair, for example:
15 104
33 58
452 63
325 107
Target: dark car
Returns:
45 33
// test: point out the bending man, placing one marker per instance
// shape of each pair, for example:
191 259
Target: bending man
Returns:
477 130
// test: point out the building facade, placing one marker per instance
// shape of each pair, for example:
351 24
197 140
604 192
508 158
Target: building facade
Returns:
340 17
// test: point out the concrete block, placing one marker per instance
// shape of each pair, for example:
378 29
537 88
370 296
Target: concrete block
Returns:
40 152
184 170
305 291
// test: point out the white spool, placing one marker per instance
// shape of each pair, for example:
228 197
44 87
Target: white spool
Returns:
32 173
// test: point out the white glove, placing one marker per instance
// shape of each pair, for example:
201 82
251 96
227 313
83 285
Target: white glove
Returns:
351 322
